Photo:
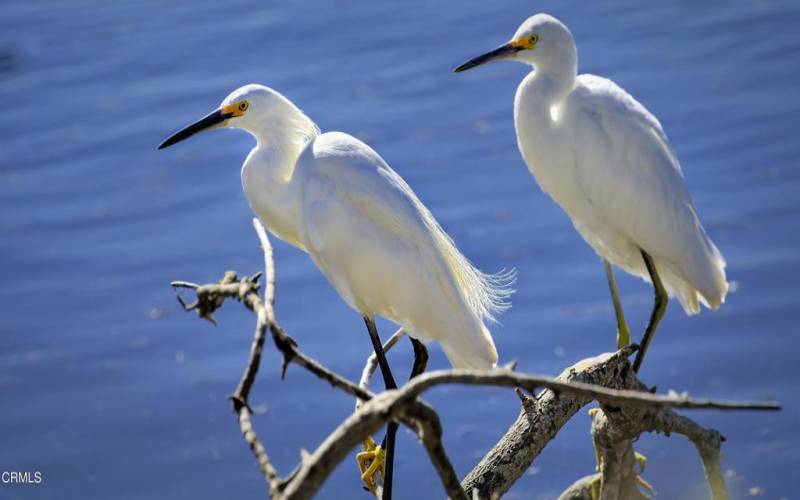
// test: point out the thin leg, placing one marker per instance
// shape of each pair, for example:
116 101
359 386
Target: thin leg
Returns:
420 358
623 333
389 383
388 379
659 308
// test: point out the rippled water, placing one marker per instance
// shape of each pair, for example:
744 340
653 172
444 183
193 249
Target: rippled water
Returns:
110 390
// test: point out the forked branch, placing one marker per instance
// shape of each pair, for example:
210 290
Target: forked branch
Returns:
606 379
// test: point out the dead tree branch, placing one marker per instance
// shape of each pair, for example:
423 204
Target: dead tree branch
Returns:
613 434
615 431
607 379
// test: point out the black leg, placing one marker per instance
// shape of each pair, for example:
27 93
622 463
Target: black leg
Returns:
420 357
659 308
389 383
388 379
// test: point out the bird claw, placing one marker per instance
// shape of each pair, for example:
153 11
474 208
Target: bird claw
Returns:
641 460
371 461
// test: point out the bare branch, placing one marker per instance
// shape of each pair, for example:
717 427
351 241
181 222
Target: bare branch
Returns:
707 441
240 398
582 488
613 441
538 422
269 265
396 404
430 432
606 378
292 354
540 419
614 433
616 397
267 469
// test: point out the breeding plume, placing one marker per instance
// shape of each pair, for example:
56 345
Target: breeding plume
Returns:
607 162
335 198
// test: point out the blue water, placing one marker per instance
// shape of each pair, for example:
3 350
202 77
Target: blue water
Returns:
111 391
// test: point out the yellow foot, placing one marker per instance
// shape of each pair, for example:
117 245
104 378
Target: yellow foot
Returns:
371 462
642 461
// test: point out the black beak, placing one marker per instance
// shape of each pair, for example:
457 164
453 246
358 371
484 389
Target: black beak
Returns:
210 120
502 52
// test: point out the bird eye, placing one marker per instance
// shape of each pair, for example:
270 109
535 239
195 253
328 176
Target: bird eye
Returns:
243 106
534 39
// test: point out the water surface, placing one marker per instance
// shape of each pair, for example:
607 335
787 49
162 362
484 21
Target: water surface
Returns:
111 391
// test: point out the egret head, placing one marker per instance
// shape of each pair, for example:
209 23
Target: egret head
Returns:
541 41
246 108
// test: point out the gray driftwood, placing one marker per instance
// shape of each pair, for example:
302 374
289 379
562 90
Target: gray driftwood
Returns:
627 410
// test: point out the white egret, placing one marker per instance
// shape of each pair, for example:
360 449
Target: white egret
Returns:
607 162
335 198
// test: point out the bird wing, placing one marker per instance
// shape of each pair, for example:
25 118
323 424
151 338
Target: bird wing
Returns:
347 171
631 176
346 175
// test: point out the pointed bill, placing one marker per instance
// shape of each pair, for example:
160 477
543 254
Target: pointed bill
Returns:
502 52
211 120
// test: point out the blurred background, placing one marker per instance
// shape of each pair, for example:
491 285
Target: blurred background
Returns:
110 390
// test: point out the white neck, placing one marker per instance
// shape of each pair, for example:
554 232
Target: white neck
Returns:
268 174
537 108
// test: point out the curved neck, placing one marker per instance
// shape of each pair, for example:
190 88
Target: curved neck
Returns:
540 97
285 130
269 178
552 80
560 65
537 109
549 89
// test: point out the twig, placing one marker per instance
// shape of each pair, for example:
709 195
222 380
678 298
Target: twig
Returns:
240 398
616 397
614 433
269 266
430 432
211 297
601 378
267 469
396 404
708 443
540 419
292 354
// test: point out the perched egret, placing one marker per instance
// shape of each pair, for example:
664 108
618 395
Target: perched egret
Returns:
335 198
607 162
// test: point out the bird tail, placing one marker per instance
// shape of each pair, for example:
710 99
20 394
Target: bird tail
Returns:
713 287
703 280
477 353
485 294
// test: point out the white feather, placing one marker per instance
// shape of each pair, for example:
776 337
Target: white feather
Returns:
365 229
607 162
